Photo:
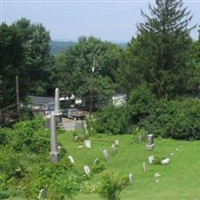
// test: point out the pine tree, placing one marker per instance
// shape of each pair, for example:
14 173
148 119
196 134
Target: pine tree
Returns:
161 53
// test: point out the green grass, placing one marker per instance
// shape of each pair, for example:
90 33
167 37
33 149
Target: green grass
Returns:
179 179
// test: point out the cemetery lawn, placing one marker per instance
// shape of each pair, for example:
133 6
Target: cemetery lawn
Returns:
178 180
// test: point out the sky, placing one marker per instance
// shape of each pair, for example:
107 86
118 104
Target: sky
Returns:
67 20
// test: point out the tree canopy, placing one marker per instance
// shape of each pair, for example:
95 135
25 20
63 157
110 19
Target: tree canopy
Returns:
88 66
11 57
160 55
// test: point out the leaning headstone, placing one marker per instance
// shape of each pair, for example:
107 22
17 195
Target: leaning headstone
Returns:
42 194
144 167
96 161
76 138
165 161
106 155
150 142
87 170
151 159
117 142
114 149
157 176
71 160
87 144
131 178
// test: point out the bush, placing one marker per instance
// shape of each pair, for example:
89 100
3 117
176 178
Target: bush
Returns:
111 186
112 120
178 119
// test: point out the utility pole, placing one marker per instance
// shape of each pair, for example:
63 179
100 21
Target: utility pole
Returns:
17 97
91 89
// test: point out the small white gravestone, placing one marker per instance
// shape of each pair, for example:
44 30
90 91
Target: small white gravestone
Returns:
144 167
139 138
76 138
151 159
87 144
42 194
150 143
86 132
157 176
87 170
114 149
96 161
59 149
165 161
130 178
71 160
117 142
106 155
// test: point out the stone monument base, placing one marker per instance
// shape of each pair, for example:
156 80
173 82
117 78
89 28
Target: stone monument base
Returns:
54 156
149 146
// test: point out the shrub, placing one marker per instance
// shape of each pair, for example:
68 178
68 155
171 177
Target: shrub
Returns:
178 119
111 186
112 120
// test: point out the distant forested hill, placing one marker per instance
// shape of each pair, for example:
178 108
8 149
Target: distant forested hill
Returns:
58 46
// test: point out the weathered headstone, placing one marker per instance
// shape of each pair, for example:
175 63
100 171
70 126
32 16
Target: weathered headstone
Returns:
54 154
87 144
117 142
139 138
96 161
87 170
157 176
42 194
150 141
114 149
144 167
165 161
106 155
151 159
131 179
71 159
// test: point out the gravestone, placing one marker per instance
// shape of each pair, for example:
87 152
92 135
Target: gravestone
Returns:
54 154
87 170
150 141
117 142
131 178
96 161
87 144
151 159
114 149
139 138
71 160
57 107
106 155
157 176
42 194
165 161
144 167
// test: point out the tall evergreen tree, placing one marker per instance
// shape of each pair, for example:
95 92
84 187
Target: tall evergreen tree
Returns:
160 56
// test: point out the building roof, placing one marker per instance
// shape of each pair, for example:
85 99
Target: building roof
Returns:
41 100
